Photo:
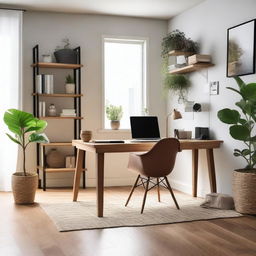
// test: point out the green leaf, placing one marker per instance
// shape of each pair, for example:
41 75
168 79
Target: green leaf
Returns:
232 89
236 154
229 116
13 139
246 152
249 91
242 121
239 132
39 138
240 82
36 125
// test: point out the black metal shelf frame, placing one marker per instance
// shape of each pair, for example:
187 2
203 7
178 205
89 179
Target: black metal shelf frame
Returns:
77 106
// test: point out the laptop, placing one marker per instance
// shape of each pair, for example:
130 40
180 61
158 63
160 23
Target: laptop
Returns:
145 128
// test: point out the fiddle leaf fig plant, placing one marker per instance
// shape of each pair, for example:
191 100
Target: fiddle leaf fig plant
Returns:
26 129
242 122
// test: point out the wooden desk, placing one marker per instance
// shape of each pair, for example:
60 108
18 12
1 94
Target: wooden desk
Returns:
101 148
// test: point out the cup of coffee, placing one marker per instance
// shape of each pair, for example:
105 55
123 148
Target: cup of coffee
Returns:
86 136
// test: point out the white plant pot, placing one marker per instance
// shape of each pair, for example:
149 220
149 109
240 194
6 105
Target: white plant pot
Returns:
70 88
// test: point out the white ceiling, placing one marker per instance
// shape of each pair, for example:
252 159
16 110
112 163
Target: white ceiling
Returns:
161 9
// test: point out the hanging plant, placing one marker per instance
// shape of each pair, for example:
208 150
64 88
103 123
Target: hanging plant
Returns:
177 84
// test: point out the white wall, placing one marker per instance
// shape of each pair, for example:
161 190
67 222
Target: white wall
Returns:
207 23
47 30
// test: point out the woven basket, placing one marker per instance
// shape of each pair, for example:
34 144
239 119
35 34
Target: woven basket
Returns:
24 187
86 136
244 187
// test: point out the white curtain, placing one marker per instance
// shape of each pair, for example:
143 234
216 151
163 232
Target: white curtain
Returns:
10 88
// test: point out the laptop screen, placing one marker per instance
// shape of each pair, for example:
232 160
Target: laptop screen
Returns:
144 127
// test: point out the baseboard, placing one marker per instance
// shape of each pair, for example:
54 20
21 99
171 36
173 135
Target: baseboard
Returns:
186 188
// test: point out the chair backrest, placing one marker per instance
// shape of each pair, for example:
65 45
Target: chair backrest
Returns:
160 160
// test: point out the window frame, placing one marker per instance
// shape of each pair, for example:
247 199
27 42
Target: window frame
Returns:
124 39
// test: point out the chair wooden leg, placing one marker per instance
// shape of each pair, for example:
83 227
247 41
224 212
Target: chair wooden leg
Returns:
170 189
145 196
134 186
158 189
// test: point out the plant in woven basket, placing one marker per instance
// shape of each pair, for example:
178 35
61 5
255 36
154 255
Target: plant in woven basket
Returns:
242 123
178 84
26 129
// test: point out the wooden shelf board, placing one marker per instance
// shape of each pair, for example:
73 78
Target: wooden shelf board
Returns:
60 117
180 53
56 144
58 169
191 68
56 65
64 95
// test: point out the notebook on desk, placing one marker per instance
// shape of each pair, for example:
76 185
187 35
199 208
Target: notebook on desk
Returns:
144 128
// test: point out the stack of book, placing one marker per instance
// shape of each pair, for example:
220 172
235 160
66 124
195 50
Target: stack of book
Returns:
68 112
42 108
199 58
44 84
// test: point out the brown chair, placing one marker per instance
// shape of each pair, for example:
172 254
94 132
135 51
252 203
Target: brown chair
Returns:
156 164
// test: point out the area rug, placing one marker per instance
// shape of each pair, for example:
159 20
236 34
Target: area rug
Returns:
82 215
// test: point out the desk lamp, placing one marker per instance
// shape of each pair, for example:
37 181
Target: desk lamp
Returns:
175 114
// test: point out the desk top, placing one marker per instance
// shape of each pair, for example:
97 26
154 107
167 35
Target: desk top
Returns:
131 146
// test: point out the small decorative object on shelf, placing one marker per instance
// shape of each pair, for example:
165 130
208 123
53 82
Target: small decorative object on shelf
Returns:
47 58
52 111
68 112
65 54
114 114
86 136
55 159
70 85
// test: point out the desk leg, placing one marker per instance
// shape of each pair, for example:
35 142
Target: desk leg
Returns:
211 170
194 171
79 169
100 183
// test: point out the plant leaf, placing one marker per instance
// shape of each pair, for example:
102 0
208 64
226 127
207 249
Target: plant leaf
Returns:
36 125
239 81
40 138
246 152
229 116
239 132
13 139
235 90
249 91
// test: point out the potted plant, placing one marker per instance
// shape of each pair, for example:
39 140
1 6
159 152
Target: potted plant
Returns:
241 128
178 84
70 85
114 114
65 54
26 129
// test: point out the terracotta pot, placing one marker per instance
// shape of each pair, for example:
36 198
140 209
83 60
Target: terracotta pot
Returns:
244 184
24 187
115 125
55 159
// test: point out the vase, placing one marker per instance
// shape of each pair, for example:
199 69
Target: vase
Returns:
66 56
52 110
55 159
115 124
24 187
86 136
244 184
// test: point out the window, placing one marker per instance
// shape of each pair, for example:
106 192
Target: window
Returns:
124 77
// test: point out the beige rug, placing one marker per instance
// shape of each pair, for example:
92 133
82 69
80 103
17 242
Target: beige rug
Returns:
82 215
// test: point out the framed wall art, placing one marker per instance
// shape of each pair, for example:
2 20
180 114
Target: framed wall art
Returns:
241 49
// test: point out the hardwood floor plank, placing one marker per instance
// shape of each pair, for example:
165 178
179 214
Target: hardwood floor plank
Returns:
27 230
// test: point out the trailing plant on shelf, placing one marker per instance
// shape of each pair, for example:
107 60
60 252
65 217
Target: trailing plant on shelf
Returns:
26 129
178 84
242 124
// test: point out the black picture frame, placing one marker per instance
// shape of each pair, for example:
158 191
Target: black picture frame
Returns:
241 49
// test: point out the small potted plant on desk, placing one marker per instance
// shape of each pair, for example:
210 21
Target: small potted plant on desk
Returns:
242 129
26 129
114 114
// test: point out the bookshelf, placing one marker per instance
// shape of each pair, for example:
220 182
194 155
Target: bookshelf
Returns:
76 98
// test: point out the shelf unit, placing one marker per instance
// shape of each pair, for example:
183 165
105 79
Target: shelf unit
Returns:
189 68
41 148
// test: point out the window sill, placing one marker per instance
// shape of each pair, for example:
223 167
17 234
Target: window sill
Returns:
114 131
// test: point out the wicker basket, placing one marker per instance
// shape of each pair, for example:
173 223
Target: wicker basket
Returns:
244 187
24 187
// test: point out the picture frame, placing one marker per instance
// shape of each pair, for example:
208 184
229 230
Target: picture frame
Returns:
241 49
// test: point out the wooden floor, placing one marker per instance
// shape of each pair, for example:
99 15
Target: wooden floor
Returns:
27 231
